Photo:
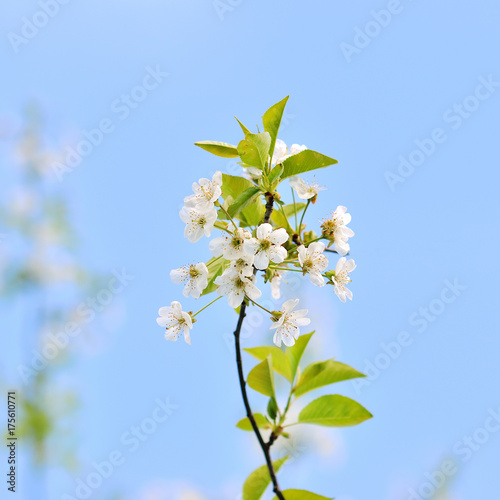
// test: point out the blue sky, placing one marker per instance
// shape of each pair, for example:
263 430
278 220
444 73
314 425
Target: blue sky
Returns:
428 76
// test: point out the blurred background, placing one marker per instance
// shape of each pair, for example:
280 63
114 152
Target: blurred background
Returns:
101 103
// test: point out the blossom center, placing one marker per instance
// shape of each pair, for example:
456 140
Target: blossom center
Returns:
308 265
236 242
329 226
264 245
342 279
239 283
207 192
240 263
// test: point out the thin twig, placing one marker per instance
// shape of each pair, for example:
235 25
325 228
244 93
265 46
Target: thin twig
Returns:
265 446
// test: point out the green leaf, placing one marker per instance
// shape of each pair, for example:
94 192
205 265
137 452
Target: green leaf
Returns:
252 215
294 353
259 480
324 373
243 200
234 185
221 224
272 408
261 421
292 208
218 148
261 378
304 162
334 411
254 149
216 266
245 130
282 220
280 363
272 121
302 495
275 173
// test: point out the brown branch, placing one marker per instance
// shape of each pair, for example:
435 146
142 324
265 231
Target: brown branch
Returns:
265 446
269 206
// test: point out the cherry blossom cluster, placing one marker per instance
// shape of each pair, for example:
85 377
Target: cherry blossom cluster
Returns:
244 252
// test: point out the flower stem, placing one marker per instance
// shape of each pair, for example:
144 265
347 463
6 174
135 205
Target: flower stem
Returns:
288 403
295 211
315 239
262 307
286 269
302 218
209 304
230 218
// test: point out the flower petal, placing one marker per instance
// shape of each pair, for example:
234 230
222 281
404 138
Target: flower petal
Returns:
277 254
340 265
303 254
302 321
216 245
264 230
252 291
287 306
277 339
316 278
235 298
251 245
217 178
350 265
178 275
261 260
278 236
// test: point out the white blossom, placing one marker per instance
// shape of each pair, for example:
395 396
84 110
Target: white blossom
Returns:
243 265
342 247
206 193
296 148
335 228
305 190
341 278
231 246
276 284
267 246
253 172
195 276
197 223
313 261
236 286
281 152
287 327
176 321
